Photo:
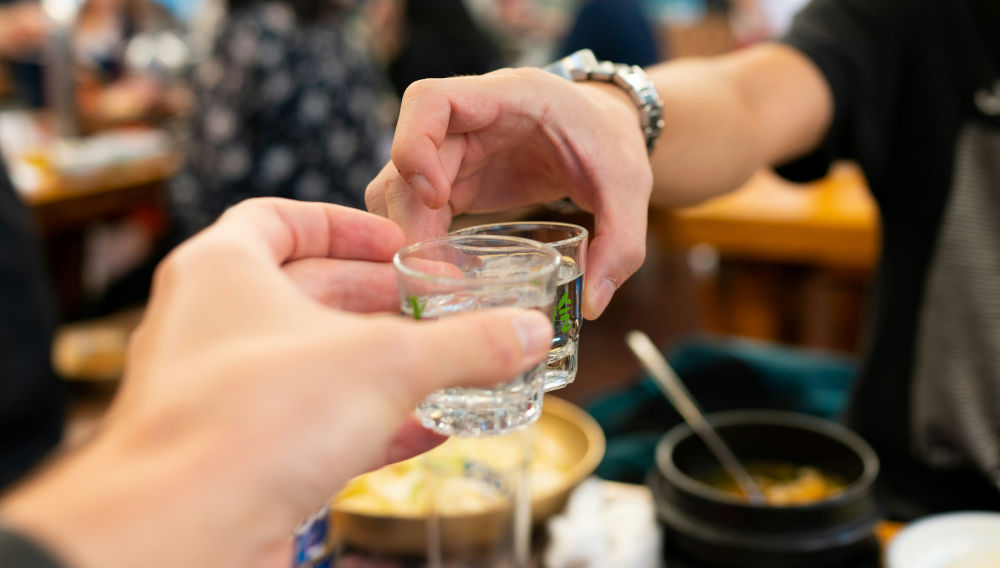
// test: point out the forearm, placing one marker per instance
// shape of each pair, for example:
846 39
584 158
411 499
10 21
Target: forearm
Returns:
726 117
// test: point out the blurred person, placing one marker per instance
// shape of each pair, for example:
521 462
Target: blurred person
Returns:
110 92
287 105
253 393
615 30
30 397
23 31
103 28
433 39
908 89
758 20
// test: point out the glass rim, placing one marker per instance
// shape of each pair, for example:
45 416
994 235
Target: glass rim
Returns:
583 232
545 248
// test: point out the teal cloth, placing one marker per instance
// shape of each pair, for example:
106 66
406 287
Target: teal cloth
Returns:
723 374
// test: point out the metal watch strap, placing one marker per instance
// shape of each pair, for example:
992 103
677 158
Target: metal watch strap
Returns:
584 66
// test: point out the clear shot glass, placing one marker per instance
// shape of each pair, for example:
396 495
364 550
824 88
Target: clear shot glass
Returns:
480 502
570 241
458 273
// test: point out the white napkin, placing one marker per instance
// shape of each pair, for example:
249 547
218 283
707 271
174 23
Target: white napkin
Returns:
605 524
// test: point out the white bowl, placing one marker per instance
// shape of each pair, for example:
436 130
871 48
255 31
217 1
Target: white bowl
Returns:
950 540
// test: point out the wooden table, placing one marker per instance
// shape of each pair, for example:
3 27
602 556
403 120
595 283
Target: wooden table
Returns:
831 223
64 207
68 203
793 261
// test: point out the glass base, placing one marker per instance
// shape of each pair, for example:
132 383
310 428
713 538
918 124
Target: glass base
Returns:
476 413
560 372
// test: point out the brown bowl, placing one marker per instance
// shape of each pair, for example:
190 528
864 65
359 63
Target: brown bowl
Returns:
564 427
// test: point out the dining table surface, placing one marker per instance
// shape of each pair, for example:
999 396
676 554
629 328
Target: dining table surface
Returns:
831 222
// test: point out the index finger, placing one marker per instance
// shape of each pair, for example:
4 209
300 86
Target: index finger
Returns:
434 108
617 251
285 230
619 245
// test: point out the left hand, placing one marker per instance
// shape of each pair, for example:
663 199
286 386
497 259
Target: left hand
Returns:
247 403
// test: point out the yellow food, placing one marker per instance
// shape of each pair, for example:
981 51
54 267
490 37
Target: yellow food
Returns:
783 484
465 476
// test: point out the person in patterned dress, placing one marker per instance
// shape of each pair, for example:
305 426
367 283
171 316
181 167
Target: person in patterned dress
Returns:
287 105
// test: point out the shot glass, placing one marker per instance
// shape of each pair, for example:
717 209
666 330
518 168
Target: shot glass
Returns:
571 243
480 502
454 274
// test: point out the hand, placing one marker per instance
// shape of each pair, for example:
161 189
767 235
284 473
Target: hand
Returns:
515 137
247 403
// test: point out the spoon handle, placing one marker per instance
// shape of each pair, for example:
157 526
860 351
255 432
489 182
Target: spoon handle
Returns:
668 382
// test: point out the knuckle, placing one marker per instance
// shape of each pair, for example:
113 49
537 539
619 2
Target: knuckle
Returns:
136 339
165 274
418 89
200 254
252 205
534 79
400 159
374 193
245 206
522 74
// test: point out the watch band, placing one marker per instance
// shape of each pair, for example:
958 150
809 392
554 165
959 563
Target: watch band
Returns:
584 66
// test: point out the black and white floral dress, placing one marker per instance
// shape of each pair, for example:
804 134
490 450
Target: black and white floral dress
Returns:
285 108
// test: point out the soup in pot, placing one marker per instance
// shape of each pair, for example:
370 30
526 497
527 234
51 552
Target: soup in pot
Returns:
783 484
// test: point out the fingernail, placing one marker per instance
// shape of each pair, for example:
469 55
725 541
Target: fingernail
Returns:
535 332
601 297
422 186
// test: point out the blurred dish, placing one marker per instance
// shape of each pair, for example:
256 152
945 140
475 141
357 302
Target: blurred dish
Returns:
783 483
951 540
385 510
94 350
94 353
709 527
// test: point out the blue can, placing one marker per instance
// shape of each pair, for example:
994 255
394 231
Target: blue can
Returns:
313 547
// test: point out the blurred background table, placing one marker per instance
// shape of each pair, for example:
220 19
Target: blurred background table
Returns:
832 222
83 189
782 261
68 202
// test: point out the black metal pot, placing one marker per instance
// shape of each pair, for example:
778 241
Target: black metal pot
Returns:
708 527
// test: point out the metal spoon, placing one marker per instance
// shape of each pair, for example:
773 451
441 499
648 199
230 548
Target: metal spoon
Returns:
668 382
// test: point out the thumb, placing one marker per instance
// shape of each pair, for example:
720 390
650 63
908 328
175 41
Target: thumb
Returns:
478 348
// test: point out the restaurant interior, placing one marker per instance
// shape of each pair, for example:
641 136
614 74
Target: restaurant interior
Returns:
116 117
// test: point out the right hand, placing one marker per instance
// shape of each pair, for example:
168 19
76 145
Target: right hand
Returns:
516 137
247 404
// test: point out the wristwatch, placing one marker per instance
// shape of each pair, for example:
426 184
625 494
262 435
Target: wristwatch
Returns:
584 66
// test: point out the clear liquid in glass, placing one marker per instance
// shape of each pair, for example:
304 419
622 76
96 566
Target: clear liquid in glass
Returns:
566 320
479 412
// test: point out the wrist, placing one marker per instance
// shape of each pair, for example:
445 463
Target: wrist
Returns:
583 66
609 94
